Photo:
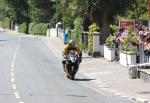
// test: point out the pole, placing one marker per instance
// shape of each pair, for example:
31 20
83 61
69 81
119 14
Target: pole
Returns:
65 1
56 18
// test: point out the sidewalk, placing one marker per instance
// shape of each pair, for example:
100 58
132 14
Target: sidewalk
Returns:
108 76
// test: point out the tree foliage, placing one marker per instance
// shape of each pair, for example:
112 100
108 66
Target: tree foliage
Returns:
66 9
40 10
27 10
19 9
102 12
138 10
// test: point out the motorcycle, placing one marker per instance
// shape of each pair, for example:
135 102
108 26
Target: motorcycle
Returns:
71 64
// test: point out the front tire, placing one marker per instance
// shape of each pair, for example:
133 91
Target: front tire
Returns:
73 72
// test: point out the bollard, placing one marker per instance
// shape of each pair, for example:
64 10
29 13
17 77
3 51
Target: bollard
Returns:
65 37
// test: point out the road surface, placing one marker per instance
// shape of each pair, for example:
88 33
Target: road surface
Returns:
30 72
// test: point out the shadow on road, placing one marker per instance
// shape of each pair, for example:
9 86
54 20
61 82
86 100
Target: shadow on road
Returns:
145 92
86 57
3 40
77 96
78 79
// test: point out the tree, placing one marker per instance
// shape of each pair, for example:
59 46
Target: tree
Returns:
103 12
5 10
28 10
67 11
138 10
40 10
18 10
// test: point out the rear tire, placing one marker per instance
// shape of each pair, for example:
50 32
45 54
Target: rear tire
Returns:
72 77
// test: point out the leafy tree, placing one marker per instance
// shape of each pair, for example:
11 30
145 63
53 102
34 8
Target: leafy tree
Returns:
40 10
138 10
5 10
66 9
18 9
103 12
27 10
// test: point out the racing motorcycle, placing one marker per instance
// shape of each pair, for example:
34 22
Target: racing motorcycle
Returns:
72 64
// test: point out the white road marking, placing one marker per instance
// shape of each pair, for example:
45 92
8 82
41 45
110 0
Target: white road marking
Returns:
117 93
12 79
17 95
14 86
12 66
114 91
32 36
124 96
99 73
12 74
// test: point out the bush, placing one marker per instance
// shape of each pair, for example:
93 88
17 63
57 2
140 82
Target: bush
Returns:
110 41
6 22
38 29
128 44
31 27
77 31
92 28
23 28
114 29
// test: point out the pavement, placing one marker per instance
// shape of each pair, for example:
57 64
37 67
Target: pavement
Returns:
106 76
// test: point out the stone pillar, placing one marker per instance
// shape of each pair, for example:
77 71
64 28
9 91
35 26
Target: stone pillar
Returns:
96 44
16 28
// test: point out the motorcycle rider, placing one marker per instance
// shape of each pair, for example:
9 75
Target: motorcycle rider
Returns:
71 46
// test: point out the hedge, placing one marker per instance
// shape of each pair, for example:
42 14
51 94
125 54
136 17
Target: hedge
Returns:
23 28
32 28
38 29
6 22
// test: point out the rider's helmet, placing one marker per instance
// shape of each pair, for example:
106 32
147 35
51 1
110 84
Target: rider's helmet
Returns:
71 43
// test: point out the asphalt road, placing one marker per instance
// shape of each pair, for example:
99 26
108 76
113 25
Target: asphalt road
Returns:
30 72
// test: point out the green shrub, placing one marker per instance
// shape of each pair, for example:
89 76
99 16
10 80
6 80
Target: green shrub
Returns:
1 23
114 29
23 28
128 43
38 29
110 41
6 22
77 31
31 27
92 28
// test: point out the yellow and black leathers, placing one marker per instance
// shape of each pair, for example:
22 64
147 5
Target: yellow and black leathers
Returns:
67 48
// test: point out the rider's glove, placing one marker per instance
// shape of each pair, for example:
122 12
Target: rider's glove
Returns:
80 60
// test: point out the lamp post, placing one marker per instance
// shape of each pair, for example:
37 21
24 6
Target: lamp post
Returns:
56 17
56 2
65 1
56 11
